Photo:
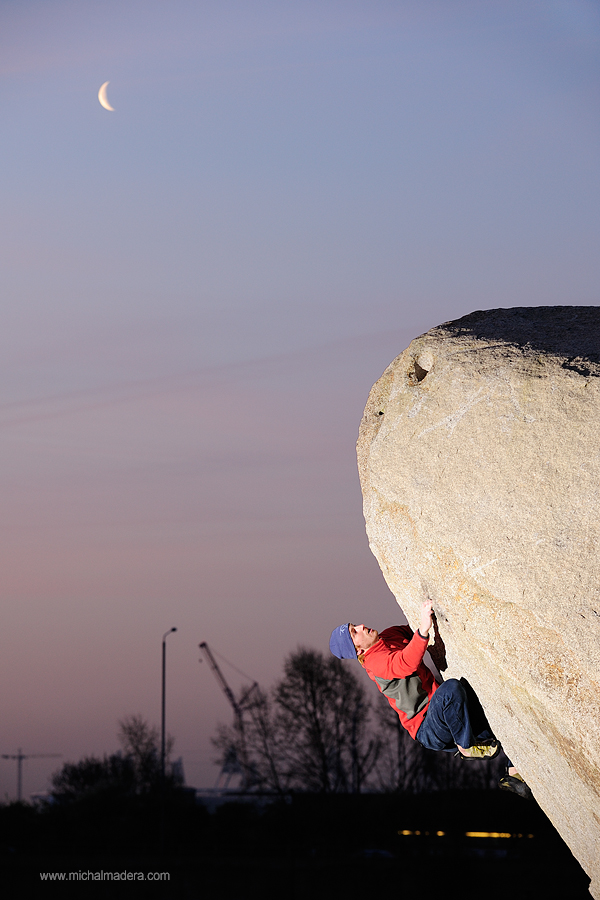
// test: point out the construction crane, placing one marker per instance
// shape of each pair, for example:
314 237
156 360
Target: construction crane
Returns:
232 764
20 756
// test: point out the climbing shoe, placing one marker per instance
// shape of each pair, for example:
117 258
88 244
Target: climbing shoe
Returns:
515 784
488 750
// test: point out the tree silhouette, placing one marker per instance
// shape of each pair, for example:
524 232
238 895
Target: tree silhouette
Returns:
93 777
133 771
141 745
324 713
310 733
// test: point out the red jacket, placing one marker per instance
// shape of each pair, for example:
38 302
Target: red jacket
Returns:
395 664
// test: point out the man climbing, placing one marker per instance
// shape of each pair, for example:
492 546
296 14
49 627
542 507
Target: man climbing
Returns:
446 716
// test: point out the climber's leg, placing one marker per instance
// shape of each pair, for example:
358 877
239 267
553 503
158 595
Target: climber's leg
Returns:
449 722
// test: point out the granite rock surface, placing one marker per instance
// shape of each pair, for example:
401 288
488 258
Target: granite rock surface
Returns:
479 457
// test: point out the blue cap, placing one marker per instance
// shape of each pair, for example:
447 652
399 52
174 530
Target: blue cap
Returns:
340 642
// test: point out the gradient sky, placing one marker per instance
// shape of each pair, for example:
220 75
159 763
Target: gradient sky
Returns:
198 291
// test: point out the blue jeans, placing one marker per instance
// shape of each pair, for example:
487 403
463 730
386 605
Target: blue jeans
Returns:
454 716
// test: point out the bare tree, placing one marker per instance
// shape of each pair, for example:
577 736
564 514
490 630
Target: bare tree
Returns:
311 733
141 744
134 770
264 743
93 777
324 711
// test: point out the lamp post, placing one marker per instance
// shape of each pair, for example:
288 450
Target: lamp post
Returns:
164 681
162 742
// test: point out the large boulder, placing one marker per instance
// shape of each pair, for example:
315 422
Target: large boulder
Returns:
479 457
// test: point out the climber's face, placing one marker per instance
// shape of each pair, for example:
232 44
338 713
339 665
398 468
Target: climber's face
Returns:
363 637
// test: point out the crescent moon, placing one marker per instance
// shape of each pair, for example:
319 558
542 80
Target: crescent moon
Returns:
102 97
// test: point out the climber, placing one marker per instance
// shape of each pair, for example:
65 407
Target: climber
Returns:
446 716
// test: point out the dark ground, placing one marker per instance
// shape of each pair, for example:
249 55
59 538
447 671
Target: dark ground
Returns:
312 847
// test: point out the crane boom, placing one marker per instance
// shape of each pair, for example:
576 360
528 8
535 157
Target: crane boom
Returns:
220 677
238 707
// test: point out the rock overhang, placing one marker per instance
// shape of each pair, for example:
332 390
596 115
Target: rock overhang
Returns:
479 457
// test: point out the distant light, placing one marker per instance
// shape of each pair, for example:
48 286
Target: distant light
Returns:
407 833
472 834
488 834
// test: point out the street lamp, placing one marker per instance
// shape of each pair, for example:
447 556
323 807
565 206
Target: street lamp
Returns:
162 730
